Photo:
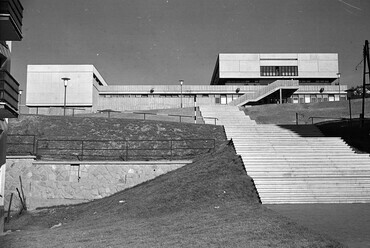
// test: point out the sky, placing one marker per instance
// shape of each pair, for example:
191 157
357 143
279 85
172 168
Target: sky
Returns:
163 41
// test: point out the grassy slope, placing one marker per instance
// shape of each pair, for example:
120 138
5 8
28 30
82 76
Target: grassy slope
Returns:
355 135
89 128
160 114
286 113
209 203
104 128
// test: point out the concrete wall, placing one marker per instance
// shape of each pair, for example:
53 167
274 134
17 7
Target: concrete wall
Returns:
45 87
3 136
48 183
129 97
323 65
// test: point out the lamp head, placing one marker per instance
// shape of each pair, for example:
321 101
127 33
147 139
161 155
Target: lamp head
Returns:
65 79
181 82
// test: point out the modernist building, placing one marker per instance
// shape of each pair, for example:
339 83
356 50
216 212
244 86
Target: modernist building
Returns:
238 79
10 30
315 73
47 93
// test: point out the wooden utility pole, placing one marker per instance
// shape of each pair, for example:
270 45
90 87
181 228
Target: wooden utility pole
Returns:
366 62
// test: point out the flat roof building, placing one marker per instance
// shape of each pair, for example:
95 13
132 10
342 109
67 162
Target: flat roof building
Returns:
46 89
238 79
265 68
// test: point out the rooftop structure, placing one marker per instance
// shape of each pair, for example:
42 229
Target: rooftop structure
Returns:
265 68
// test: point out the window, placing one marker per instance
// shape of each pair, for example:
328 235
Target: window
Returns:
307 99
279 70
223 99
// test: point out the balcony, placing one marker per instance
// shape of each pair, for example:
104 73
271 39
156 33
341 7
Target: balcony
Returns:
9 89
11 14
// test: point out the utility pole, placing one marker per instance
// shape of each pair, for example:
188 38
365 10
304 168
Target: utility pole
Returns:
366 60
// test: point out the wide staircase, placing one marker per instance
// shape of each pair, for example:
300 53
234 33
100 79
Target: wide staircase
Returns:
295 164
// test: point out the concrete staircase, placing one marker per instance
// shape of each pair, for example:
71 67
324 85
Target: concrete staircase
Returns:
295 164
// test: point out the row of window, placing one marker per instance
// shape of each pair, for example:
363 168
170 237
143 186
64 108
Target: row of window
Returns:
279 70
168 95
316 98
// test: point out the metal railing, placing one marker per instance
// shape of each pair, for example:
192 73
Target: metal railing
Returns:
146 114
79 149
212 118
325 118
21 144
257 95
311 119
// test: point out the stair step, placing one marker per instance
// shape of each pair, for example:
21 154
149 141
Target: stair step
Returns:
295 164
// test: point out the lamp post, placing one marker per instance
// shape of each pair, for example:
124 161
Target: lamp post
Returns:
338 75
349 96
65 79
20 100
181 83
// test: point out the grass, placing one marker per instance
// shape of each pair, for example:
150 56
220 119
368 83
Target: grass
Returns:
92 128
286 113
187 115
209 203
353 133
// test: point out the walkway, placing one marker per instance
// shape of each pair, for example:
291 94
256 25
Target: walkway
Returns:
295 164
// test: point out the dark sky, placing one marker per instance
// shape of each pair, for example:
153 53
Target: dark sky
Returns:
162 41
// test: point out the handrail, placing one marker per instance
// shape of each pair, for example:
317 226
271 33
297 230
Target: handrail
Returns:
148 113
84 149
326 118
214 118
20 145
263 91
297 115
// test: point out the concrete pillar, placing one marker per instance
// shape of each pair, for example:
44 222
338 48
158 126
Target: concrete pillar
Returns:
3 132
281 96
2 198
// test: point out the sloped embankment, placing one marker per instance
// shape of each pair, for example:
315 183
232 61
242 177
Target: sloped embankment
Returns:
104 128
106 138
209 203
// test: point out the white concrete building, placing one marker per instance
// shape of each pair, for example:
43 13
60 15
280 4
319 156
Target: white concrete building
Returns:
46 91
239 79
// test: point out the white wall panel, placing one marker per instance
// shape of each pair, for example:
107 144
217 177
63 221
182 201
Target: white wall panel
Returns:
249 66
229 65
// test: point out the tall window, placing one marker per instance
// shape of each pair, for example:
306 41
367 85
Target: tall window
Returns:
279 71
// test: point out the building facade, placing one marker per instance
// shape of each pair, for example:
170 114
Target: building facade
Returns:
317 74
238 79
47 93
11 12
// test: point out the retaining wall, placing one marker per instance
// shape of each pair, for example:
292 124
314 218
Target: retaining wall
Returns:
49 183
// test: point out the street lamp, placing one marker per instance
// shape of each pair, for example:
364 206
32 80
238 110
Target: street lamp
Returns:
349 96
181 83
65 79
20 100
338 75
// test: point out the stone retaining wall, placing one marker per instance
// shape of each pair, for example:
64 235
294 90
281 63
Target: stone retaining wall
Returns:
48 183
